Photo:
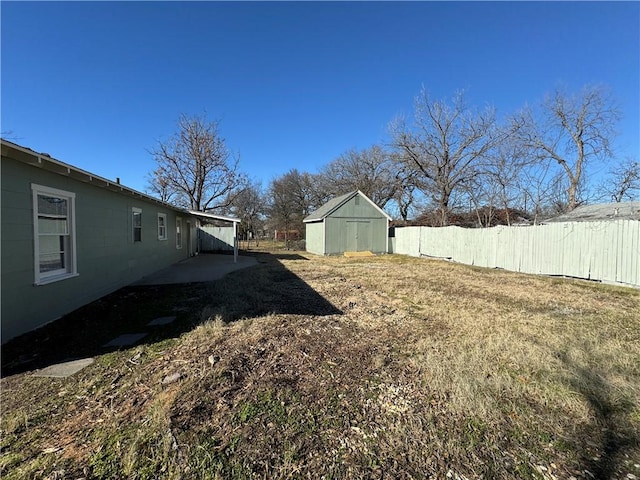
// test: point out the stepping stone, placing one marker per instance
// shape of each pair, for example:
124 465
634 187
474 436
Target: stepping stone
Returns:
161 321
125 340
65 369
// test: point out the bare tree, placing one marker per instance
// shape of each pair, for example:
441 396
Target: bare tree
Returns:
541 191
281 207
504 170
9 135
482 197
405 197
444 146
291 199
320 190
572 131
368 170
405 200
159 186
623 182
195 167
249 207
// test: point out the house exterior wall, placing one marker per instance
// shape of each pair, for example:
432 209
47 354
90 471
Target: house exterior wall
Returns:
107 258
314 239
356 226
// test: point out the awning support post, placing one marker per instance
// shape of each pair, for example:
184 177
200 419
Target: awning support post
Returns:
235 242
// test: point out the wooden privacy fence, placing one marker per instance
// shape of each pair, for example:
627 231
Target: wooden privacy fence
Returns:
607 251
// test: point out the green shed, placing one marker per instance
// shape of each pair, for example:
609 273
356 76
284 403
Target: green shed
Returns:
349 223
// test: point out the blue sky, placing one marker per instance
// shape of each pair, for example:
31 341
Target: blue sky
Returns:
294 85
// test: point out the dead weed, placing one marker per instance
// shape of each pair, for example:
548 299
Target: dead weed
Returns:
384 367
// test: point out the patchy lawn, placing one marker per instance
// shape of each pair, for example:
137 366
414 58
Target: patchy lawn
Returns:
308 367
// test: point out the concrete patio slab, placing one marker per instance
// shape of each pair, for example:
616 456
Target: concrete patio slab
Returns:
65 369
125 340
206 267
161 321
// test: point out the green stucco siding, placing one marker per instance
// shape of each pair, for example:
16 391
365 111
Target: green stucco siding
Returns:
107 257
314 237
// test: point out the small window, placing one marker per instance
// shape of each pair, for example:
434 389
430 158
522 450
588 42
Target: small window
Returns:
54 234
136 215
178 232
162 226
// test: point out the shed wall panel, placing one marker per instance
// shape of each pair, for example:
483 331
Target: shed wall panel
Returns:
379 234
314 238
335 236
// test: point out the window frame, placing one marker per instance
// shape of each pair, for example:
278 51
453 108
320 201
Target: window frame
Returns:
162 229
71 268
136 211
179 230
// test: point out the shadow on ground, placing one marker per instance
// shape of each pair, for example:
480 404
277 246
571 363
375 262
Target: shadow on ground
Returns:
288 256
609 436
268 287
609 433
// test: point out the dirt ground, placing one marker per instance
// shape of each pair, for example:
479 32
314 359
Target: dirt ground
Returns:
309 367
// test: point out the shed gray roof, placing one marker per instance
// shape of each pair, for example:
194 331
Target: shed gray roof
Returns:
335 203
600 212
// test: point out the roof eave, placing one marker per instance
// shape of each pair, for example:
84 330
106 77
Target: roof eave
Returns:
345 199
212 216
375 206
31 157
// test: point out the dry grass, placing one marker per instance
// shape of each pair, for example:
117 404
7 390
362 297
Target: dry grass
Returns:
384 367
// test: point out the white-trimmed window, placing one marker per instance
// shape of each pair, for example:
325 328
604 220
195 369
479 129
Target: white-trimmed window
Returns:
162 226
54 234
178 232
136 222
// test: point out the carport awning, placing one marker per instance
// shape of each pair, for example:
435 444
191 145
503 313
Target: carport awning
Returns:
235 221
211 216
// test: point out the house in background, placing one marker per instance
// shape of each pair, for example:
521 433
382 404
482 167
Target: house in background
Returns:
349 223
70 237
600 212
